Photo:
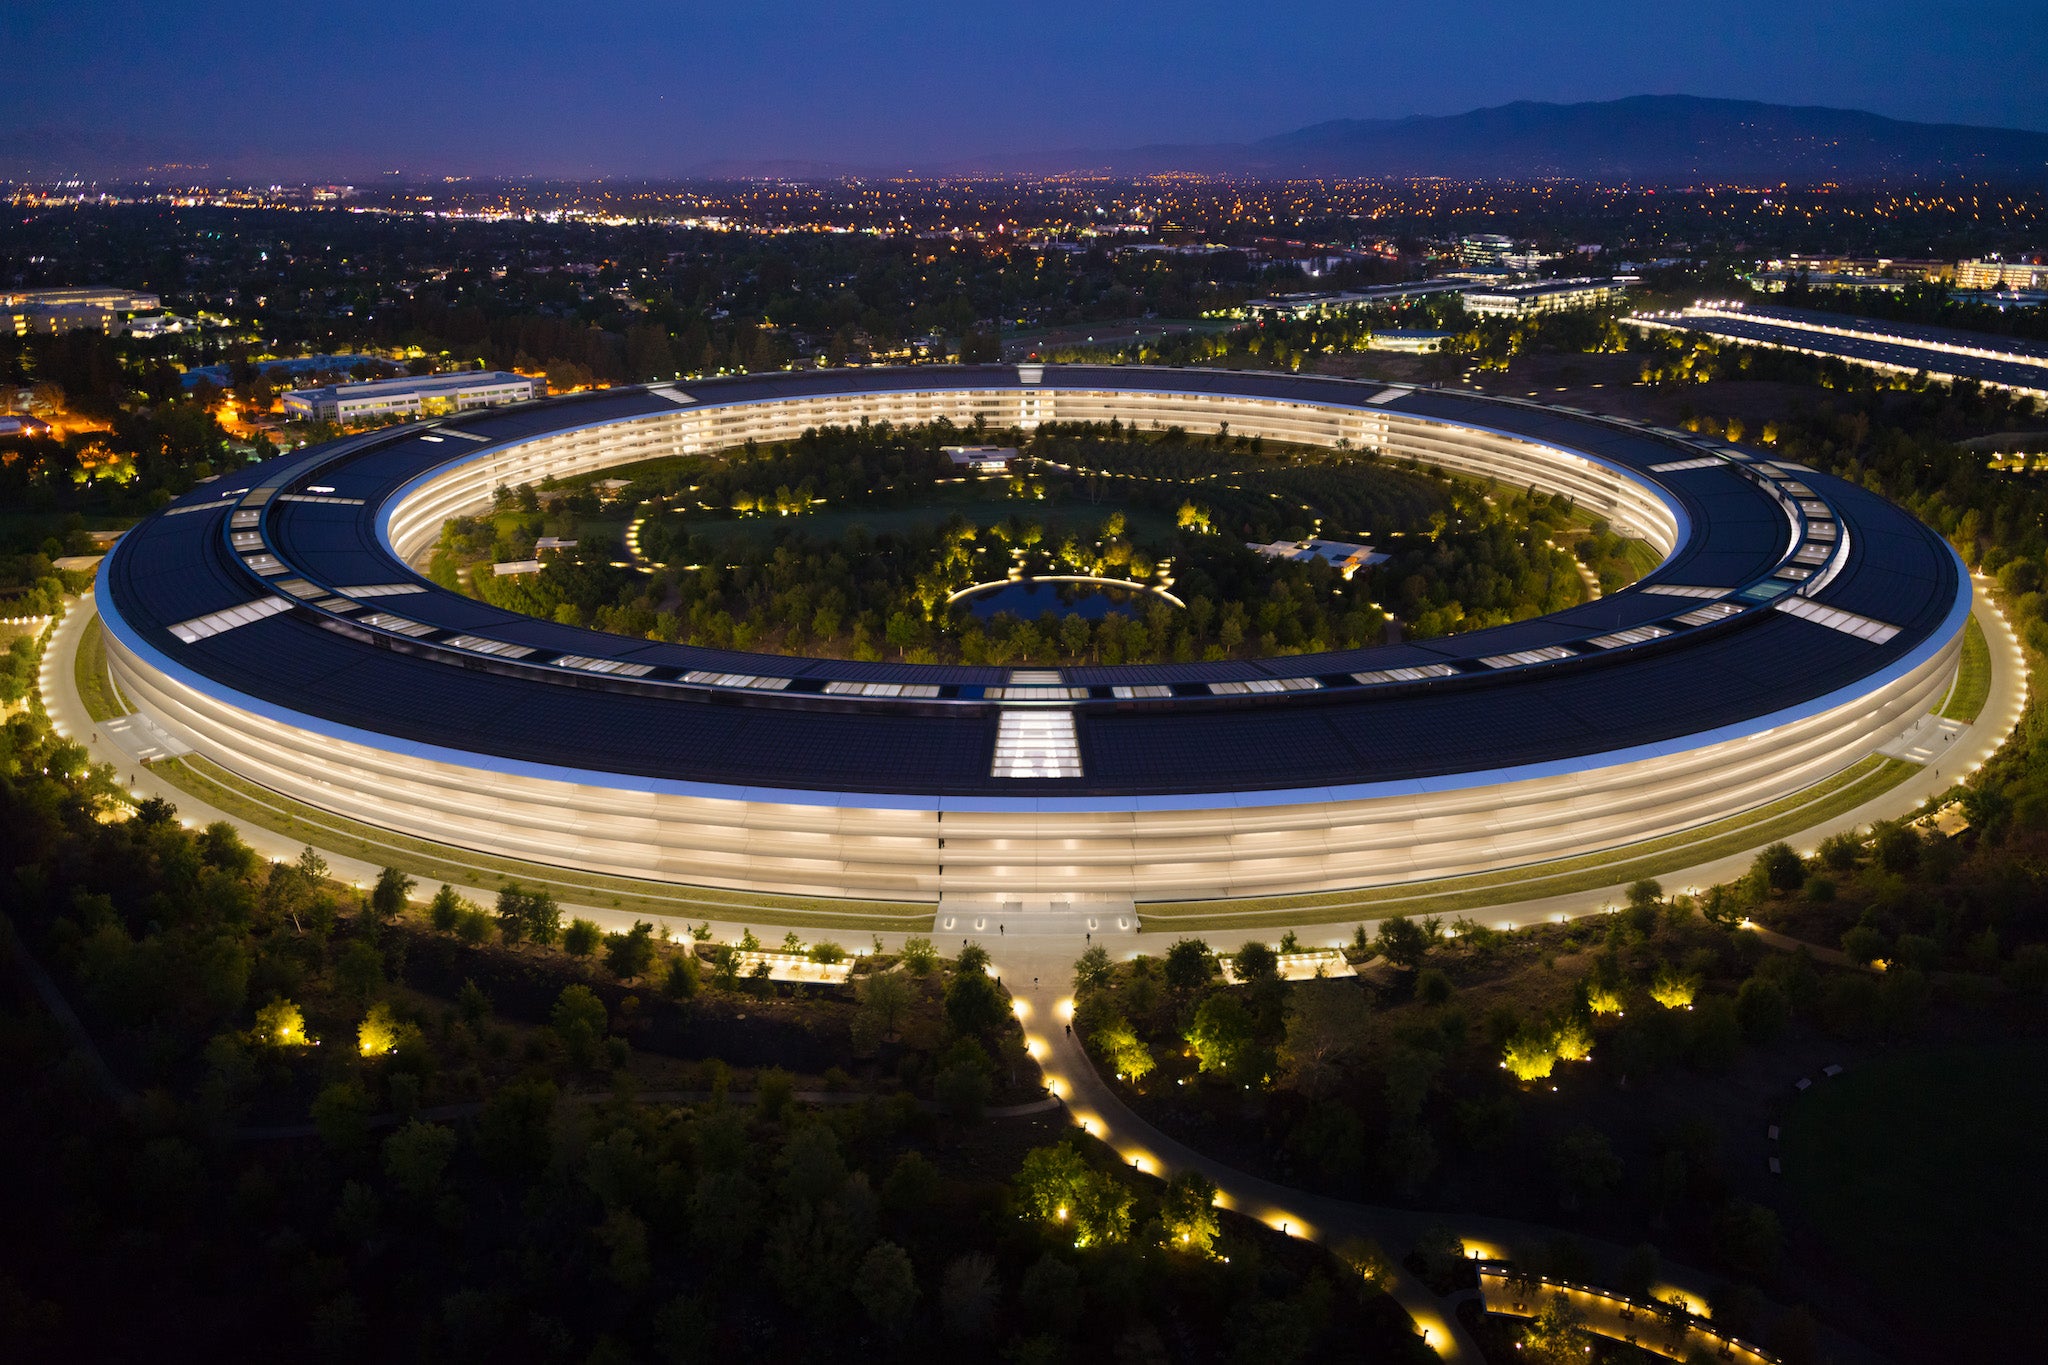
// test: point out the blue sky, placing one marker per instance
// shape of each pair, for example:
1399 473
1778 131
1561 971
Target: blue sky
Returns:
624 86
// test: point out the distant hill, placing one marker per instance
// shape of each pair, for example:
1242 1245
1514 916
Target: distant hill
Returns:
1657 139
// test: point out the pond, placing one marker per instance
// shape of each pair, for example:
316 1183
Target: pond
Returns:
1028 599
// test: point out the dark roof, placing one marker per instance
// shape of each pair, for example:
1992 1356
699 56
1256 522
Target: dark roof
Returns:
179 565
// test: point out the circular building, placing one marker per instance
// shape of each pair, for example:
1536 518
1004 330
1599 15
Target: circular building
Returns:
271 621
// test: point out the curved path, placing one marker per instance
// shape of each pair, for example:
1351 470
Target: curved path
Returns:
1037 973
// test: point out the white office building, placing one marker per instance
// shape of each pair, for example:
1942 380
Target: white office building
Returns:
411 396
1543 296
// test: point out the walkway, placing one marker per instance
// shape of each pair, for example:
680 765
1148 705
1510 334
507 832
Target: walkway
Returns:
1038 973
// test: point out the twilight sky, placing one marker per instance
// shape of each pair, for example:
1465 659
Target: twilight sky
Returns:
639 87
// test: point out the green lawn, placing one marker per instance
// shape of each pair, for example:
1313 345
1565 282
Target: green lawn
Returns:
1973 676
1922 1173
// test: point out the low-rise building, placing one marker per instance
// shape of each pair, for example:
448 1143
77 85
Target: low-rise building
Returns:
411 396
1414 341
1996 274
27 312
1346 558
980 459
1542 296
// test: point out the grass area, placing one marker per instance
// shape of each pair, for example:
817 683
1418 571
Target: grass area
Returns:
1921 1173
431 862
89 671
1653 857
1642 556
1973 677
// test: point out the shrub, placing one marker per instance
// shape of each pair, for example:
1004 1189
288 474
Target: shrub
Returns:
1672 988
1572 1041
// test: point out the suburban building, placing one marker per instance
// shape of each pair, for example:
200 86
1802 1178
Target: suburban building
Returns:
412 396
980 459
26 312
1412 340
1346 558
2001 275
1542 296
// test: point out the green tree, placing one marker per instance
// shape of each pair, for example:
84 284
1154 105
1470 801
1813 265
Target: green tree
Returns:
444 912
341 1112
1403 942
1530 1055
1327 1025
1128 1056
918 956
885 1285
1092 970
580 1021
1557 1335
280 1024
1256 963
1221 1035
377 1035
387 897
416 1158
1190 966
1187 1213
630 954
1049 1182
1779 868
974 1003
581 938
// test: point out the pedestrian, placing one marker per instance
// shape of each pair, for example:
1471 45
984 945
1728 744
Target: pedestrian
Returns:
1070 1030
1003 929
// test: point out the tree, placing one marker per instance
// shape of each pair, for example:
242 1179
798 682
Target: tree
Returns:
918 956
1256 963
974 1003
1366 1260
1747 1236
1221 1035
280 1024
580 1021
1585 1165
1572 1040
581 938
967 1295
1764 1009
1530 1055
1092 970
1557 1335
885 1285
1863 943
528 915
1190 966
884 999
341 1112
1050 1180
630 954
1119 1042
416 1157
1403 942
387 897
1327 1026
1779 868
444 912
515 1131
377 1035
1188 1213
